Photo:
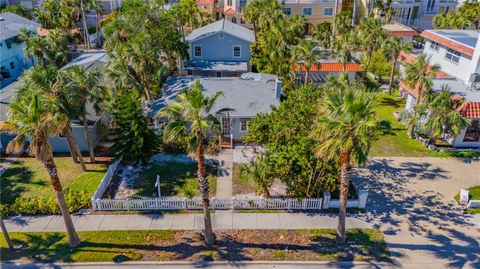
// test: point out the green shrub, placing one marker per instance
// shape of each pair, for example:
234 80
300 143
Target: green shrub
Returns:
40 205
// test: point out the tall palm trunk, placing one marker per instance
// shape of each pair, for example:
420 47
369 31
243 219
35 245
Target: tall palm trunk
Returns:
354 13
89 138
51 168
73 142
85 29
203 183
344 182
73 153
5 234
370 52
392 76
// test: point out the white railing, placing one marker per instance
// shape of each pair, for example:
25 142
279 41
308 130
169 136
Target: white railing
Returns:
361 202
106 180
215 203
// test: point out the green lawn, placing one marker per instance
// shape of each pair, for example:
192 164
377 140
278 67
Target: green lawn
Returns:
396 143
474 194
176 179
168 245
26 177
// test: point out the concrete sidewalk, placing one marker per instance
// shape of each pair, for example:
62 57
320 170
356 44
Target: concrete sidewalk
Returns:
221 221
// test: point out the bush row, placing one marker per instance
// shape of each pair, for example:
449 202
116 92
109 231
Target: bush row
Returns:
46 205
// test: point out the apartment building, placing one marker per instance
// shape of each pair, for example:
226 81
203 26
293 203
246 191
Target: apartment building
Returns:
420 13
457 52
316 11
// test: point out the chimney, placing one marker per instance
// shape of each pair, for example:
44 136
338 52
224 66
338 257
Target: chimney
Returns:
278 88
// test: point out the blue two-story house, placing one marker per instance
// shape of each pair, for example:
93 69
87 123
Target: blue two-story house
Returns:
219 49
13 59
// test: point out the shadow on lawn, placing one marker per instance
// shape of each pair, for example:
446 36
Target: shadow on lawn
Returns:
399 208
52 247
13 180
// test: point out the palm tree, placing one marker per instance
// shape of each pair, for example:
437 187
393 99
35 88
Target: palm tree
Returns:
419 75
190 121
5 234
392 48
343 47
50 83
96 5
443 117
344 129
371 33
304 54
87 83
30 117
322 33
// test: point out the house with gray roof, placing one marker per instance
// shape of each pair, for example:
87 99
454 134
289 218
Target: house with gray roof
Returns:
13 60
89 60
219 49
249 95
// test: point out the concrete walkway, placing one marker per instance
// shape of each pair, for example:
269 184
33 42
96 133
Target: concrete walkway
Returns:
224 177
221 221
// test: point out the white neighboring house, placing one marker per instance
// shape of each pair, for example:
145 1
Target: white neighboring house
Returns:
420 13
248 95
457 52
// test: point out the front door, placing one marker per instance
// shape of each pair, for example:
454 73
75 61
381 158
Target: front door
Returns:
226 126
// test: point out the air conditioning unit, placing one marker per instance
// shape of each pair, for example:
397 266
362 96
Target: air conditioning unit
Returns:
474 82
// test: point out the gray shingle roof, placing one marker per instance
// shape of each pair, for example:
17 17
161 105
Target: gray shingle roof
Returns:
222 26
464 37
11 24
248 95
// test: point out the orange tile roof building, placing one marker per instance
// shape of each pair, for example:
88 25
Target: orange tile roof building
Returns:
457 53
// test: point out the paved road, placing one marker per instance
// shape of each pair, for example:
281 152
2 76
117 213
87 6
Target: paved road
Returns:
224 265
411 200
221 221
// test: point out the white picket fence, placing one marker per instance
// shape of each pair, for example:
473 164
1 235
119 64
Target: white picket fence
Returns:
102 187
215 203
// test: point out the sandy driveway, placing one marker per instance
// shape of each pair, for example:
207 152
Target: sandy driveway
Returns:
411 200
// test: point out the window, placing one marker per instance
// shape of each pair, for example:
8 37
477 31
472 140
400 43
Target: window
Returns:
243 125
452 55
234 20
237 52
473 132
12 65
229 3
197 51
434 46
307 11
328 11
220 35
287 11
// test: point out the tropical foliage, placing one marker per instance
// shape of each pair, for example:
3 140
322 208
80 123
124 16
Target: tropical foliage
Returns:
467 16
192 122
19 10
344 129
371 35
392 47
143 44
285 134
134 140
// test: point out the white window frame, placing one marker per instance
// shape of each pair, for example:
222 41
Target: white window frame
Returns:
325 8
434 46
233 51
246 125
229 3
289 11
311 11
201 51
453 54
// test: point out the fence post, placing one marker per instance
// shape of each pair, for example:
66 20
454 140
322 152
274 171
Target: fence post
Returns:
362 198
184 203
303 203
326 200
289 204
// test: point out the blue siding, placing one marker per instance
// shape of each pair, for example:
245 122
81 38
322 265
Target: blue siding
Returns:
60 144
221 49
15 55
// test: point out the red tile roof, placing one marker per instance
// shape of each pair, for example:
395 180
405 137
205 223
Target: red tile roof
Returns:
447 42
229 11
406 57
204 2
330 67
470 110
